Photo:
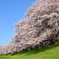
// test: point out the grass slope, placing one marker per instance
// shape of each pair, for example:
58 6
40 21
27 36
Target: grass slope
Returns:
50 52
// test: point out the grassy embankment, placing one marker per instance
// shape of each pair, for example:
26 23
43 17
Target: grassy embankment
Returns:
50 52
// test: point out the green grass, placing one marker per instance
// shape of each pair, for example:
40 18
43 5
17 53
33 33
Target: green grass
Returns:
50 52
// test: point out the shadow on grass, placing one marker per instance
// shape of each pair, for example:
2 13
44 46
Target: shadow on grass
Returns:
35 51
39 50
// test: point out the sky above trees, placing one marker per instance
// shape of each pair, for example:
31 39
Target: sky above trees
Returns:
11 11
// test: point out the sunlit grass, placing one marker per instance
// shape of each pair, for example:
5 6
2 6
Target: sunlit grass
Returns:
50 52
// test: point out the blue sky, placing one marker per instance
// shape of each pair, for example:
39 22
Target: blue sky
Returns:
11 11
